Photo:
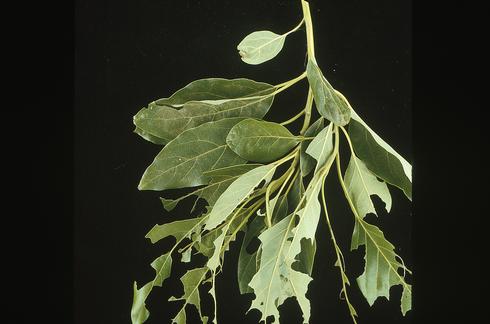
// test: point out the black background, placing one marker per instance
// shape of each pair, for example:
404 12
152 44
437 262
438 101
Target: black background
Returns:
128 53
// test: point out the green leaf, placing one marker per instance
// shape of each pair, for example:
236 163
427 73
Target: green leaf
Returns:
247 265
328 103
165 122
321 147
236 193
191 281
380 157
361 184
306 161
295 194
216 90
220 179
381 271
178 229
260 46
279 208
260 141
184 160
149 137
306 258
162 266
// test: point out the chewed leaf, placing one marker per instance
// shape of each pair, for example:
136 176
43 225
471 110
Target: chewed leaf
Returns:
380 157
162 266
361 184
381 271
321 147
260 46
191 280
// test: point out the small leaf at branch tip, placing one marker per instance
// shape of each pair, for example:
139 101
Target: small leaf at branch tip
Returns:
260 46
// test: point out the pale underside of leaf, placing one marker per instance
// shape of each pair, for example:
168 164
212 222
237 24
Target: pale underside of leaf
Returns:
260 46
162 266
275 281
191 281
381 268
321 147
220 179
361 184
237 192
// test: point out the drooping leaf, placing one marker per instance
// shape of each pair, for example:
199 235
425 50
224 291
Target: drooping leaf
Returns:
191 280
260 46
328 103
184 160
165 122
236 193
361 184
214 90
381 270
247 265
307 163
380 157
321 147
260 141
162 266
220 179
